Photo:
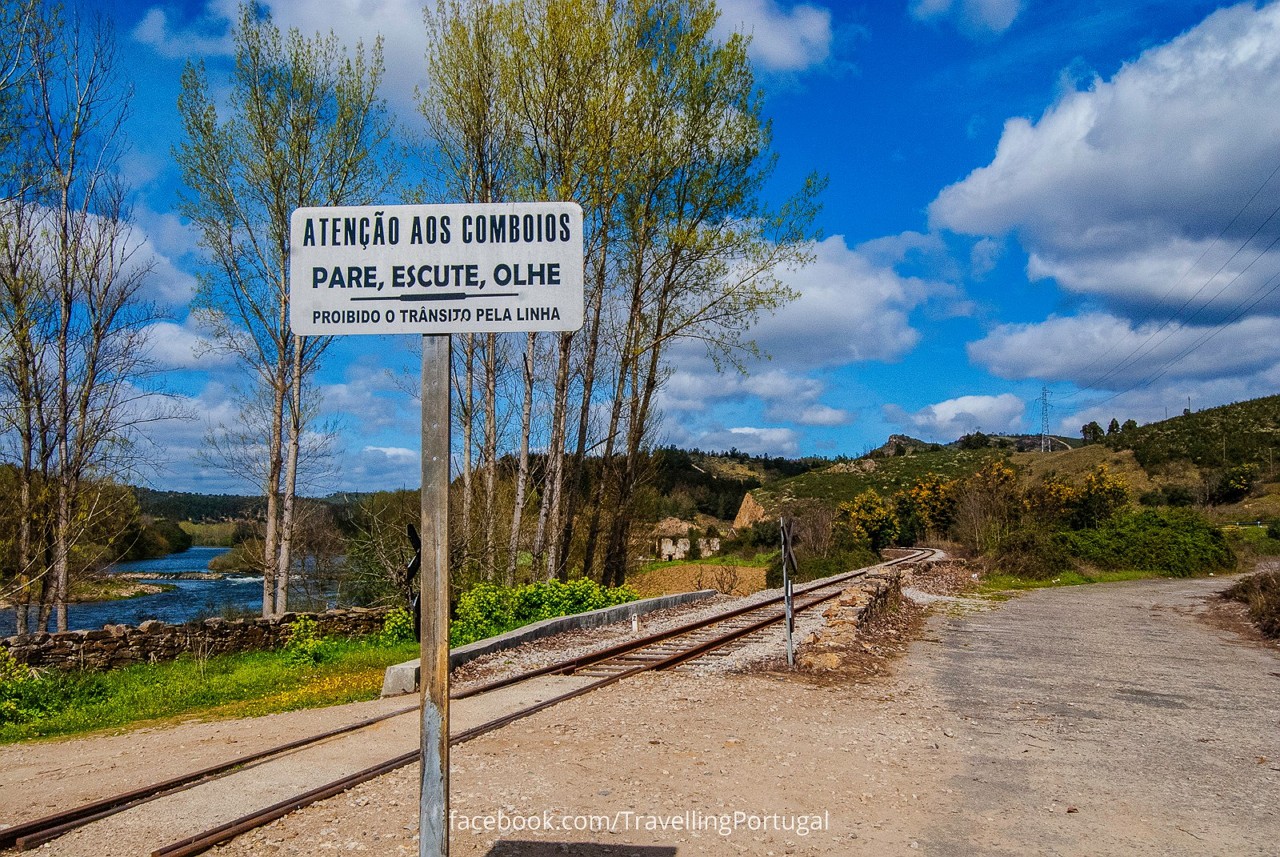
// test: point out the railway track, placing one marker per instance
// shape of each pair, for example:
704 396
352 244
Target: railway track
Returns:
662 650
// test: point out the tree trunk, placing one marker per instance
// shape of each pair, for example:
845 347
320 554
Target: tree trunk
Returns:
549 517
522 473
468 413
271 488
490 456
284 565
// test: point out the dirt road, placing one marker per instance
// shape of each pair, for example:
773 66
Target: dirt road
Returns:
1162 731
1103 720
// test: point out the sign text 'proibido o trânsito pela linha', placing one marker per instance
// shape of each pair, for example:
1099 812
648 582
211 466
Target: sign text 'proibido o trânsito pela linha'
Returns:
436 269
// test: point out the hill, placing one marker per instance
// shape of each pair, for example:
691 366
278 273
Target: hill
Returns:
200 508
1227 436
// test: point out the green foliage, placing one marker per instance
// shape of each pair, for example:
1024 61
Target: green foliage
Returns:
749 541
1273 529
487 609
1227 436
1261 593
818 567
1101 497
199 508
148 540
1033 553
869 518
397 627
885 476
240 685
1175 542
304 647
1091 432
1234 484
1169 495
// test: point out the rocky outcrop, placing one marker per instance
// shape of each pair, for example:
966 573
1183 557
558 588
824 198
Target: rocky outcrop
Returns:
749 512
121 645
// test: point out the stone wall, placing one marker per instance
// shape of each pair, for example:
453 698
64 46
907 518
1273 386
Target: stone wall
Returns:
121 645
861 603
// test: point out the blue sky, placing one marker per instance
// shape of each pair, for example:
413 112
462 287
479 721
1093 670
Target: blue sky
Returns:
1078 195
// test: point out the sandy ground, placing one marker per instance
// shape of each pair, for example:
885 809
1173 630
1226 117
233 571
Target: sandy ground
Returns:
1101 720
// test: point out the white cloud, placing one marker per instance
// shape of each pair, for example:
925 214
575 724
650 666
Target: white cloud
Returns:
752 440
948 420
1119 191
398 22
183 346
851 308
696 387
208 35
973 17
781 39
1103 351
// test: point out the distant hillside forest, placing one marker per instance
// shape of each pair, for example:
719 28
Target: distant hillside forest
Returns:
1227 436
198 508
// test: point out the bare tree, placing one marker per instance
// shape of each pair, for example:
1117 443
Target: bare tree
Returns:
304 126
74 322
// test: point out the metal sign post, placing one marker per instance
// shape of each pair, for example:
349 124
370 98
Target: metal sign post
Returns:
788 562
436 270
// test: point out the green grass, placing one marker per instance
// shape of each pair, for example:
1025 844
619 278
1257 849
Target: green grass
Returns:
1252 541
219 535
890 475
227 686
760 560
993 584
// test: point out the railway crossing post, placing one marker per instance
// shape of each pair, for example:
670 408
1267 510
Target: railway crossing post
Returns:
436 270
788 564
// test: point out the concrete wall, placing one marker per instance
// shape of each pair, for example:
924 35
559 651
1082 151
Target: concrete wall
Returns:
403 678
121 645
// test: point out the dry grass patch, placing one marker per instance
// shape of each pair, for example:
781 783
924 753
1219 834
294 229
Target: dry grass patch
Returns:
691 577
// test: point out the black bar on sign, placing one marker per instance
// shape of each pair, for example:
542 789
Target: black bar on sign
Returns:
448 296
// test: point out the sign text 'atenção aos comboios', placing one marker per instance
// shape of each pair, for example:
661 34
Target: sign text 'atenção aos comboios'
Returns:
436 269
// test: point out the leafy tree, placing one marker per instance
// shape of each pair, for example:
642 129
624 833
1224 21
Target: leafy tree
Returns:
933 499
1052 500
1234 484
1129 425
1092 432
867 517
1100 498
988 506
1113 427
302 125
654 125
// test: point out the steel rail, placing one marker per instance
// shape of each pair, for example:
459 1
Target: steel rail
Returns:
201 842
38 831
580 661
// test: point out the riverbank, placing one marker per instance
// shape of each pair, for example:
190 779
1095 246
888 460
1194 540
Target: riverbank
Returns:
174 588
108 588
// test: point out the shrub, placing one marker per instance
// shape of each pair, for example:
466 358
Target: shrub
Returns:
397 627
303 646
1176 542
1234 484
1261 594
1033 553
817 567
487 610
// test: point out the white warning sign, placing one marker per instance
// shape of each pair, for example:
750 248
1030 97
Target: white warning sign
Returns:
436 269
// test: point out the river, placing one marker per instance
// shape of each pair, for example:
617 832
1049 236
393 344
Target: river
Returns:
190 599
